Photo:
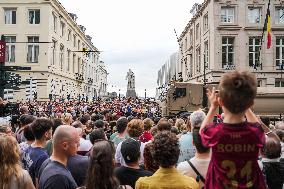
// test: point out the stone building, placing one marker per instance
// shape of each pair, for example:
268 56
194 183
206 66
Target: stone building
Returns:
225 35
41 34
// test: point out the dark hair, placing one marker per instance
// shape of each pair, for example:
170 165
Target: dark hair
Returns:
166 149
164 125
272 148
97 134
100 172
28 134
174 130
237 91
265 120
96 117
26 119
198 142
77 124
148 123
85 118
56 123
121 124
99 123
40 126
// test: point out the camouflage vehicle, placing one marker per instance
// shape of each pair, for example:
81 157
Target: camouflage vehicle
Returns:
188 97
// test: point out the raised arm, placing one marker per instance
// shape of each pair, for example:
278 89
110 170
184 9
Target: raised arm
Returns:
213 99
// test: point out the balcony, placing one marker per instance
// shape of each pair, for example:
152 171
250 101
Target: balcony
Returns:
79 77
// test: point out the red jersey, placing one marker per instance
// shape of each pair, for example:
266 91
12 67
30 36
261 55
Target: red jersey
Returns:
235 149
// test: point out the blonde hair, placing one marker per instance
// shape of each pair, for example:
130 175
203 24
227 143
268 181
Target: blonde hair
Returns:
66 117
10 165
179 123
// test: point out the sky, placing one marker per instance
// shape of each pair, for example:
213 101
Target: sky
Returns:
133 34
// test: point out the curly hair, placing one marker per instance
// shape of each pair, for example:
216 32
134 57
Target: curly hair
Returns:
9 160
148 123
100 172
135 128
166 149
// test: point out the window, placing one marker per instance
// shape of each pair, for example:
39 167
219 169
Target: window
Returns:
74 62
206 55
61 56
254 15
185 44
79 62
227 15
191 37
10 16
74 40
69 35
228 53
280 53
205 23
54 23
34 16
62 28
190 65
54 52
68 60
279 82
197 31
279 15
198 60
254 52
33 49
10 48
79 48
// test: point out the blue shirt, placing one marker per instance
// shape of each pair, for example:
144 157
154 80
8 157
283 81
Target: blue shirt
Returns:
32 158
187 149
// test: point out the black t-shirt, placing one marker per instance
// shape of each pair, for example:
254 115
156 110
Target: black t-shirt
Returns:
274 174
78 166
129 176
54 175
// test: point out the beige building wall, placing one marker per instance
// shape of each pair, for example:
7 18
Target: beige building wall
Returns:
241 30
60 70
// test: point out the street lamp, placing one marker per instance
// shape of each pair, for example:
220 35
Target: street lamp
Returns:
119 94
145 94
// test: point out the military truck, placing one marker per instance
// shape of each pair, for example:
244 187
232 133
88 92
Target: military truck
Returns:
188 97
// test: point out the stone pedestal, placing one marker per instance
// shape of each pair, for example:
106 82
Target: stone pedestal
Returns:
131 93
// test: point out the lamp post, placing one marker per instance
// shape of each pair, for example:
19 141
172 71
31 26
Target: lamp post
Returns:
119 94
204 96
145 94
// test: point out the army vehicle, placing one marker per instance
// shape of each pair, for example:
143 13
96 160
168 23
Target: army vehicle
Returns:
188 97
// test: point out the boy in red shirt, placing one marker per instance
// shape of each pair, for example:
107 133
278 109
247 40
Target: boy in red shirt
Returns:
236 142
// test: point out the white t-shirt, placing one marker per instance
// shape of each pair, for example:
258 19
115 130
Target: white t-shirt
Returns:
200 164
85 145
118 156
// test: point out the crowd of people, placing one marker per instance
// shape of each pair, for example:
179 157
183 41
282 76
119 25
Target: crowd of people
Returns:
125 143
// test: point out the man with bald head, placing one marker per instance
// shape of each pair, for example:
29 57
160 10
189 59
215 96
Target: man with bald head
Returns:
53 172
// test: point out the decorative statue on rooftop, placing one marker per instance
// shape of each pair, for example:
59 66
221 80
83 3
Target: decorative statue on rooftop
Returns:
130 84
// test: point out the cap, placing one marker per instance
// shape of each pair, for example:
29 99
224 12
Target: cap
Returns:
130 150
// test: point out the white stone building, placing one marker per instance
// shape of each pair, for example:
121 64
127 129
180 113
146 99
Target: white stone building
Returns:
225 35
49 40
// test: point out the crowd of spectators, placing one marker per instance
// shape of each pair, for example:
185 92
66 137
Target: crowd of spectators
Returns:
125 143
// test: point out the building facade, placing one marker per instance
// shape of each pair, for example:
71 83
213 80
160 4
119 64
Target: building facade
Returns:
226 35
42 35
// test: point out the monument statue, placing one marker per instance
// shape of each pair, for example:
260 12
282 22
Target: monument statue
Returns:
130 84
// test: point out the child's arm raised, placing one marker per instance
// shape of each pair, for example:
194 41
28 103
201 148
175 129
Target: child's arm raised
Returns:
212 97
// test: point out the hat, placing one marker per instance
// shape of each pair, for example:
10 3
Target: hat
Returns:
130 150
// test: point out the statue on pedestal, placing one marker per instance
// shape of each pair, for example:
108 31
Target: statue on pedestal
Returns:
130 84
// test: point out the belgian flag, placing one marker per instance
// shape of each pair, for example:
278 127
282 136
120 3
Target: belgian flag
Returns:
268 29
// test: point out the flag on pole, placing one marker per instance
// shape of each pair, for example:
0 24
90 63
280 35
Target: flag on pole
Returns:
268 29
